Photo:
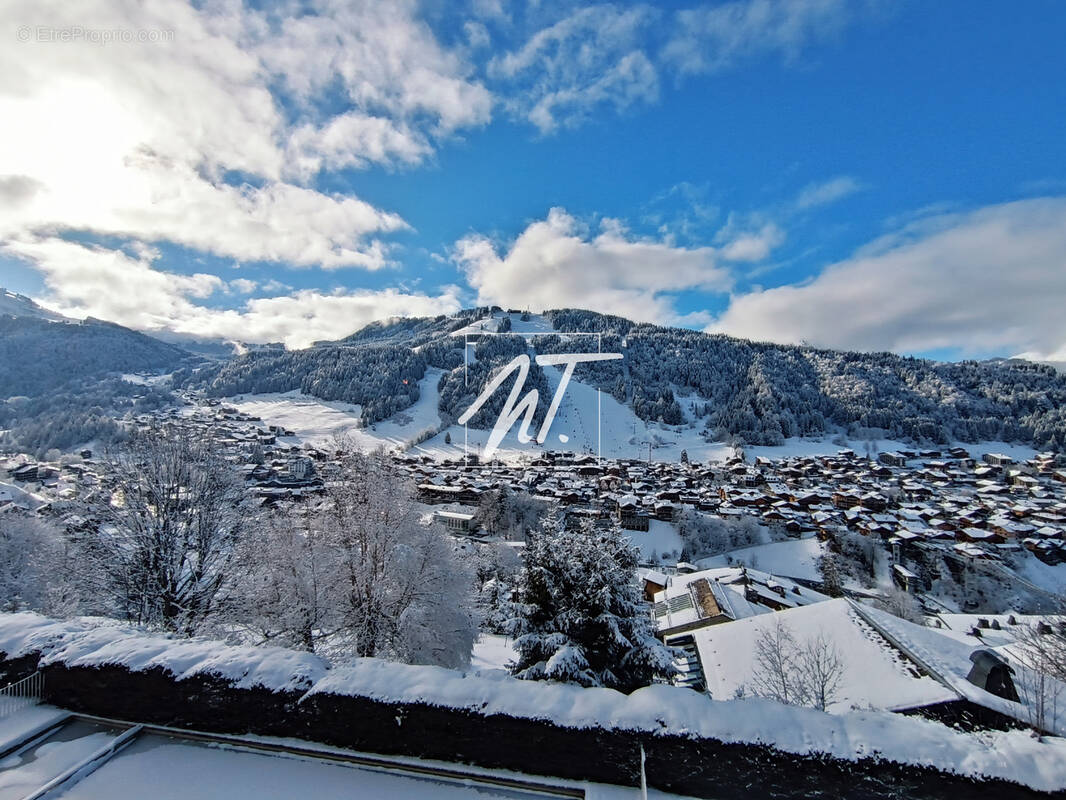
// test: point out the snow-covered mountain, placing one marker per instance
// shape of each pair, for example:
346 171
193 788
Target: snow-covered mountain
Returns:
18 305
673 390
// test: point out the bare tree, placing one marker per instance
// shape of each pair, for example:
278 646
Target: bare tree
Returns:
1044 644
1040 652
774 675
786 670
361 574
277 590
820 672
167 529
901 604
35 567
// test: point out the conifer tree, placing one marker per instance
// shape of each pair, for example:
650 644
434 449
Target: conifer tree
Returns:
581 618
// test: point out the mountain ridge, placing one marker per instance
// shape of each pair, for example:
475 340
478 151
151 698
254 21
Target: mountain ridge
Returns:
749 392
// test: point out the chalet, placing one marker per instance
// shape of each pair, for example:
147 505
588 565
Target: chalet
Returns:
846 499
653 582
980 536
435 493
997 459
27 472
905 579
456 521
667 512
689 605
631 515
892 459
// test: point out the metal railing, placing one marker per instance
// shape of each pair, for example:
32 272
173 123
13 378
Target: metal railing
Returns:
21 694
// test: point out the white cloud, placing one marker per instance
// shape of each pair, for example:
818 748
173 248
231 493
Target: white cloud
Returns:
383 57
988 280
355 140
826 192
712 38
90 281
589 59
136 139
242 286
557 263
750 245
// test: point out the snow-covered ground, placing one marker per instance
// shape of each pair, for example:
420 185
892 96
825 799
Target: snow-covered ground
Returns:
317 421
492 652
792 558
1048 577
587 422
535 324
661 543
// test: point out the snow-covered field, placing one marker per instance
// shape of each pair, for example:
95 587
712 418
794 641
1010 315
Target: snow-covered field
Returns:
492 652
317 421
661 542
792 558
590 422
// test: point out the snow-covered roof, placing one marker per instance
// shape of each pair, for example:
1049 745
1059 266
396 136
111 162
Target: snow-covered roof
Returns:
948 658
875 674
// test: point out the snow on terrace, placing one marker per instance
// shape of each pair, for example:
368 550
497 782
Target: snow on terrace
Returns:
166 769
659 709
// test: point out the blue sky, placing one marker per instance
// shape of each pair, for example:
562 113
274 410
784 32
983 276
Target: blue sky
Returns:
867 175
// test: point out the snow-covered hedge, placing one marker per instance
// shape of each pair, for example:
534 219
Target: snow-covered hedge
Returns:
98 642
656 710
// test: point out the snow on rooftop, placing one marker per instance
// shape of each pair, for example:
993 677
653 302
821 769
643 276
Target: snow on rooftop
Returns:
875 675
949 659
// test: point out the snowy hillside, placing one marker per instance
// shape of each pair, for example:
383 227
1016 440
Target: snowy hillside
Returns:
673 389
